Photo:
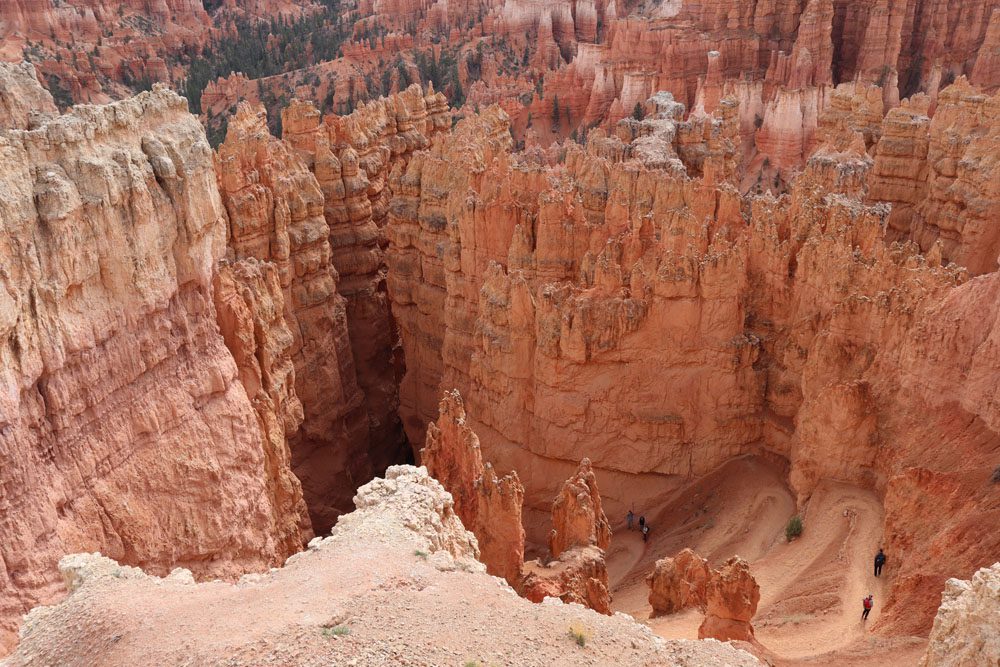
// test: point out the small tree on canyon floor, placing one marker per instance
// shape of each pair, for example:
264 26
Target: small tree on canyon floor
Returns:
637 112
794 528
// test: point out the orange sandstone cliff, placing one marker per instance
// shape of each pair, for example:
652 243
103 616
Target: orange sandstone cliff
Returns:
621 302
147 392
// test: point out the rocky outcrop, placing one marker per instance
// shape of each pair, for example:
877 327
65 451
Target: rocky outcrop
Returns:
125 425
576 571
489 505
578 520
678 583
275 210
579 575
965 628
728 596
22 99
376 589
731 598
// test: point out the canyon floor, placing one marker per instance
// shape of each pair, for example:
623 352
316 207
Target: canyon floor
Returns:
811 588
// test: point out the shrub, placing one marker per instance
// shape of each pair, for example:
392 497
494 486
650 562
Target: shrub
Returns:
794 528
337 631
420 554
579 635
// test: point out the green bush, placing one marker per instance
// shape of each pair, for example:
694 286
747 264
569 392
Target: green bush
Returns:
337 631
579 635
794 528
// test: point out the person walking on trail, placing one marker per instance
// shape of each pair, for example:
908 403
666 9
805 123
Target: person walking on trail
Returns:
879 562
645 532
868 603
642 522
629 518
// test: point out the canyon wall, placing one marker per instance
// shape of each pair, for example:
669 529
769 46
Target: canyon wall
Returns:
623 302
147 393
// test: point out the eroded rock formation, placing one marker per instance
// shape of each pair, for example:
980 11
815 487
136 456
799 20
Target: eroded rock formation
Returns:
678 583
622 302
21 98
275 209
578 520
489 506
731 598
577 571
351 157
125 424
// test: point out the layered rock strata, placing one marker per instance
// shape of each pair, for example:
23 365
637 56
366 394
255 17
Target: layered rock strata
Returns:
351 157
489 505
275 209
125 424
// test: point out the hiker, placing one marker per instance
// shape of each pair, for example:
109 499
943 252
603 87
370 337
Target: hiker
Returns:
879 562
868 607
628 519
642 522
645 531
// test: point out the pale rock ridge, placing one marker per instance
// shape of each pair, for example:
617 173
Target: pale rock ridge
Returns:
965 631
124 424
385 577
490 506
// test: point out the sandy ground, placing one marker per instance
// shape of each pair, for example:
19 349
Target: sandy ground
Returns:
811 589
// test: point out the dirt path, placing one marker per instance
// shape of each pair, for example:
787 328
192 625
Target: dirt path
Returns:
811 589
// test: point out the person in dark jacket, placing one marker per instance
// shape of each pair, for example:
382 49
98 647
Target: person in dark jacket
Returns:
879 562
642 522
645 532
868 603
629 518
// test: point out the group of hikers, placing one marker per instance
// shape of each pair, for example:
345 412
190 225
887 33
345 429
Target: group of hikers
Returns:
869 601
643 526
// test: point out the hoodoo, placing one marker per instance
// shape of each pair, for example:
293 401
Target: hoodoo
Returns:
688 312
